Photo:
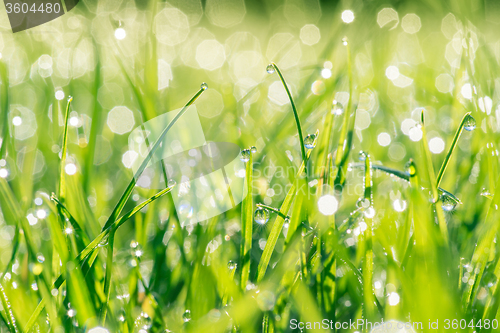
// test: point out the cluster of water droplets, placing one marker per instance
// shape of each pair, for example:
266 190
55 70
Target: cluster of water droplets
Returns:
337 108
246 153
143 323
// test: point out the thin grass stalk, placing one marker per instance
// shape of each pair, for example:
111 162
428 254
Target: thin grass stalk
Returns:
432 180
109 270
452 148
368 297
128 191
247 224
278 224
64 151
295 114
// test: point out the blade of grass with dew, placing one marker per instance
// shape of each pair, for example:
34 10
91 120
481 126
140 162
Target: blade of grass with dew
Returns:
278 223
7 313
4 108
109 269
90 249
295 114
128 191
369 310
432 181
64 150
247 224
454 143
275 210
344 145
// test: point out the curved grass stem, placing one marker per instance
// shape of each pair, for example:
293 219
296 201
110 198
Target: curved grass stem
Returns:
452 148
296 115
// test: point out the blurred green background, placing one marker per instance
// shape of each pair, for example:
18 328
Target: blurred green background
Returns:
125 62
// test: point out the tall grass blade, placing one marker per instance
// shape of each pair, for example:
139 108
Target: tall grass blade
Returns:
295 114
64 150
247 224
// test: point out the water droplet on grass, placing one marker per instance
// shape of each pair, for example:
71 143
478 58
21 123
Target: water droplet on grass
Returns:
270 69
186 316
261 215
363 203
171 183
345 41
470 123
245 155
362 156
231 265
410 168
448 203
204 86
309 141
370 212
337 108
253 149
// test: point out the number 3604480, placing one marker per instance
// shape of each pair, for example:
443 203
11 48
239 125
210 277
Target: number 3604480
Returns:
35 8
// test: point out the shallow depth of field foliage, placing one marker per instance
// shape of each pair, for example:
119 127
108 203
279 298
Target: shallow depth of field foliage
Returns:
383 206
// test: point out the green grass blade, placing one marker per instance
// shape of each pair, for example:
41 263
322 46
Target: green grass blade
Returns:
121 203
295 114
7 311
277 211
247 224
109 270
64 150
278 224
91 248
432 180
452 148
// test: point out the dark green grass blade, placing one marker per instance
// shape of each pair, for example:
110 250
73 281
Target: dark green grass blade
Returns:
295 114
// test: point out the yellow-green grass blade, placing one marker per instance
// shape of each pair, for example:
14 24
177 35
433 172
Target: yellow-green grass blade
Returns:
278 223
64 151
247 224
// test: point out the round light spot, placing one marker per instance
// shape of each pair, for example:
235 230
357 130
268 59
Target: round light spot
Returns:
277 93
41 214
397 151
444 83
309 34
436 145
318 87
384 139
59 95
17 121
411 23
74 121
387 15
225 13
363 119
98 330
347 16
120 33
326 73
407 124
210 54
466 91
120 120
392 72
415 133
129 158
210 104
70 169
171 26
4 173
328 205
393 299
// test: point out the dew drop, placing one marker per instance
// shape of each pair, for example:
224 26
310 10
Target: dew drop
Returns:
171 183
253 149
362 155
309 141
448 203
245 155
261 215
186 316
231 265
204 86
469 123
104 241
486 193
363 203
345 41
410 168
337 108
369 212
270 69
